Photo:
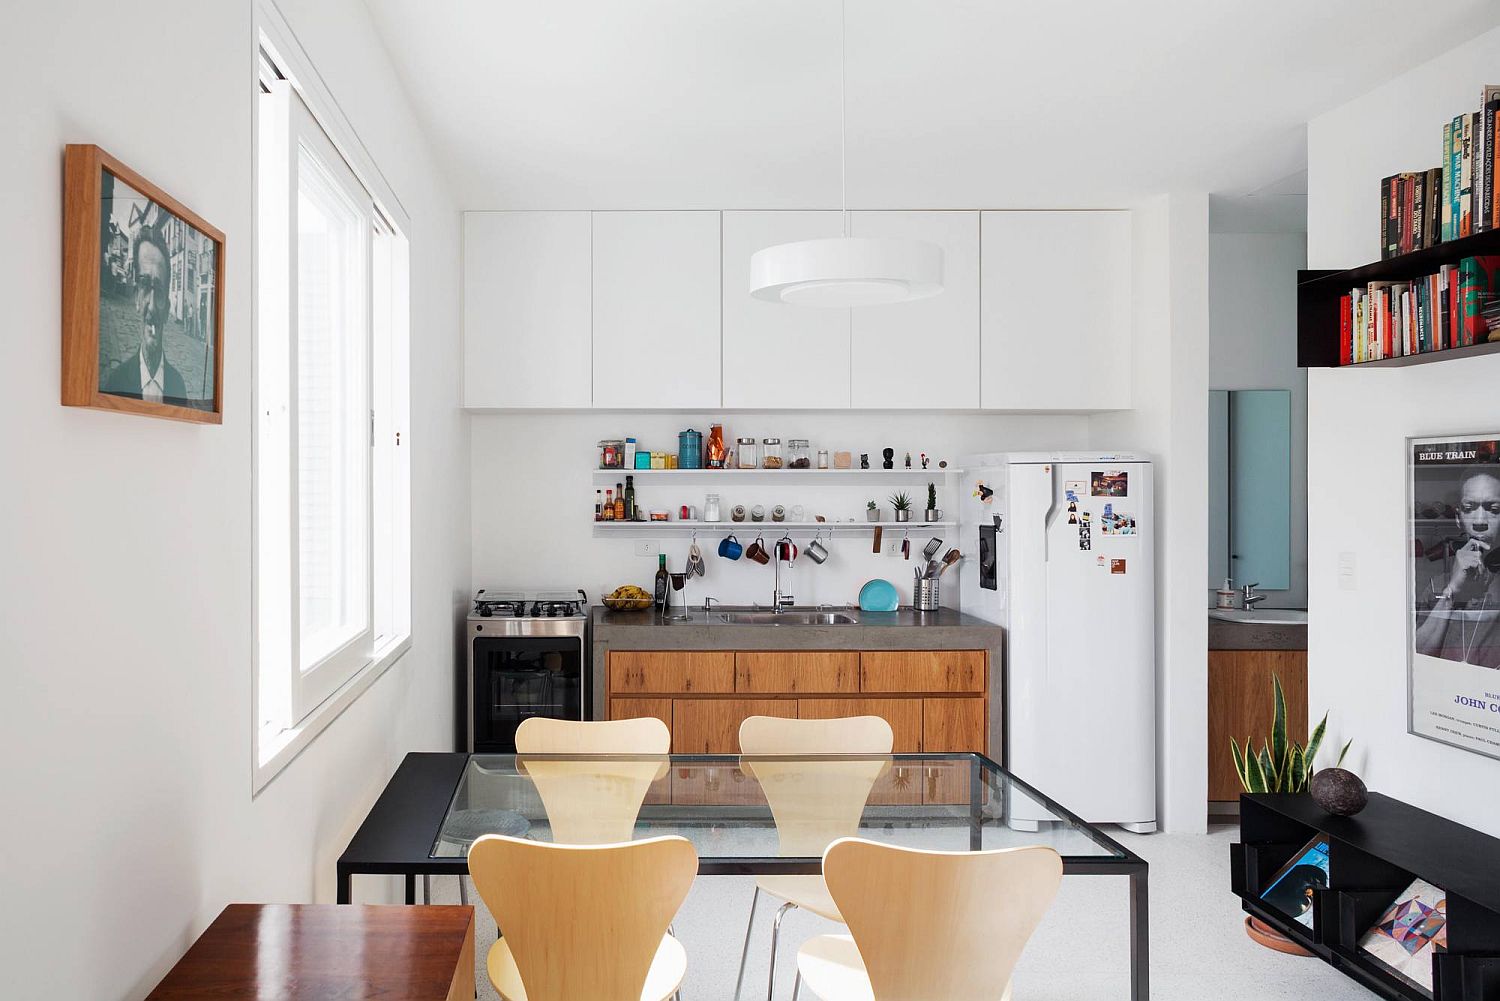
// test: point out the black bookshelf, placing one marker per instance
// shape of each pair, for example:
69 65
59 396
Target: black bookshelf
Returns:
1372 858
1318 295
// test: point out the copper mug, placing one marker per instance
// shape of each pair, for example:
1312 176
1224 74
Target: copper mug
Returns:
757 551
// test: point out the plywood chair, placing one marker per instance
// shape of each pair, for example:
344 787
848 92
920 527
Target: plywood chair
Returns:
963 920
593 801
813 803
584 921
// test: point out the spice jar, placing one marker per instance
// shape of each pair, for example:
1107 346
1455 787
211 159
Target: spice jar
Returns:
770 453
612 454
715 457
744 449
822 458
711 508
798 455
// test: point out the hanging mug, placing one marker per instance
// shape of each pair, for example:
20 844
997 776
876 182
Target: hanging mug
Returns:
786 550
730 548
757 551
816 551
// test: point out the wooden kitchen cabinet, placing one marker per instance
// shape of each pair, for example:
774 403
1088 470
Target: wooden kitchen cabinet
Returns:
922 671
661 789
1056 314
671 672
945 327
904 716
792 672
1240 705
527 327
651 349
954 726
776 355
712 726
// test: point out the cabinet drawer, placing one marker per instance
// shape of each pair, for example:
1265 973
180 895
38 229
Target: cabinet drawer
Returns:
671 672
712 726
922 671
797 672
954 726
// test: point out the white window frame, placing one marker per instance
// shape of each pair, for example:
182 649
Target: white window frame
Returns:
291 707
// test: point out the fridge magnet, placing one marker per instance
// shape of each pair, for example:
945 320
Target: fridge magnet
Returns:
1453 588
1101 561
1111 483
1075 488
1117 566
1085 534
984 493
1116 523
143 303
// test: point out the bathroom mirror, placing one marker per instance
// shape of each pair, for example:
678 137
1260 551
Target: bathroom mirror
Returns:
1250 487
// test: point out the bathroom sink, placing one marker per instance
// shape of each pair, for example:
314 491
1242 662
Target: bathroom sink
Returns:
791 618
1267 616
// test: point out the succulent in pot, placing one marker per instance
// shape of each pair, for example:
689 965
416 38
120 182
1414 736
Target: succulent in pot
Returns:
901 503
872 512
932 513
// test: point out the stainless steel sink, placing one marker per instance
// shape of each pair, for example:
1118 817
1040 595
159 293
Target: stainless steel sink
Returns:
790 618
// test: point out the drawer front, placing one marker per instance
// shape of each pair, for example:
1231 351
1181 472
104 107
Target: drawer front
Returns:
712 726
671 672
954 726
904 716
922 671
797 672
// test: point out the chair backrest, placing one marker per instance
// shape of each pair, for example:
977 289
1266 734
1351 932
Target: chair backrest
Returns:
945 925
593 801
583 921
815 802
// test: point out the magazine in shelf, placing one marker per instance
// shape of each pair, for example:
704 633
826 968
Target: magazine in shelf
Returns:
1294 888
1411 931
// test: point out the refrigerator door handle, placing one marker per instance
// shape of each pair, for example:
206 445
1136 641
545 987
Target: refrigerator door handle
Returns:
1052 514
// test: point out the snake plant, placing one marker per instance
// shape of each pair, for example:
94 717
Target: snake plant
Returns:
1282 765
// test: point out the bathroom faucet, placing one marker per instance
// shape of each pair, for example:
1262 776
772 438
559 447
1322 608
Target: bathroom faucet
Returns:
1248 598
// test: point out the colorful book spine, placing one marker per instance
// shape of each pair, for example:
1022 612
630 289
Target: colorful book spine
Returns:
1434 230
1451 136
1387 217
1477 277
1417 183
1466 176
1346 329
1424 317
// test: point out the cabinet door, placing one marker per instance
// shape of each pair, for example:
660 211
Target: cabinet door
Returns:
941 332
712 726
904 716
1240 705
922 671
526 309
670 671
656 310
1055 314
777 355
954 726
796 672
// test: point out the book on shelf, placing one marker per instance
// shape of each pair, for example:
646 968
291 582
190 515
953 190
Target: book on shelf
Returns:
1456 306
1410 932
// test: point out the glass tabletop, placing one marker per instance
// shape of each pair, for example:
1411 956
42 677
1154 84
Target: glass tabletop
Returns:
740 807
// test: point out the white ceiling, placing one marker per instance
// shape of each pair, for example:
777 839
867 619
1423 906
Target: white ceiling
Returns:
952 103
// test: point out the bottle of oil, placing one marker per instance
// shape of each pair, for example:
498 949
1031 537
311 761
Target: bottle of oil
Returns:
630 498
663 583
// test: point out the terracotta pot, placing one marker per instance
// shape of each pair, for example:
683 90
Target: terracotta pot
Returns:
1263 934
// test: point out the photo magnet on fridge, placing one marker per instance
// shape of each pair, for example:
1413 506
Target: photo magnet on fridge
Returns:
1116 566
1075 488
1110 483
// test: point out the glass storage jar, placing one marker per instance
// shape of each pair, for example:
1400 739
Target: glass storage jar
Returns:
744 453
798 455
770 453
612 453
822 458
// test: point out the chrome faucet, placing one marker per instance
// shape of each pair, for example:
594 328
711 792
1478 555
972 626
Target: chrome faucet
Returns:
779 602
1248 598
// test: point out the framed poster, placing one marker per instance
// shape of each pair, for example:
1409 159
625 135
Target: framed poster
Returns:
143 302
1453 669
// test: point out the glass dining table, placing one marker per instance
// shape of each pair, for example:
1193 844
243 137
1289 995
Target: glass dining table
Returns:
436 805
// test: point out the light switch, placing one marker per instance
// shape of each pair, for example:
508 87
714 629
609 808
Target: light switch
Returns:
1347 580
647 547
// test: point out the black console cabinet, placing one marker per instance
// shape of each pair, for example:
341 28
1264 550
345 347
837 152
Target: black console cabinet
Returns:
1372 858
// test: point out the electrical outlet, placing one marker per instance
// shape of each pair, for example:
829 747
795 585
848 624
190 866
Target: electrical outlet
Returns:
647 547
893 548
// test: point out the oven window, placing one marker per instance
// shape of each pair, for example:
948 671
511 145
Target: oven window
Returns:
516 679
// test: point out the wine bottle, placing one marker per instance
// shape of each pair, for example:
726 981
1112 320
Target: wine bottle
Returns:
630 498
662 582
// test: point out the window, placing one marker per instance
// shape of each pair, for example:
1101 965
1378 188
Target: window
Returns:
332 486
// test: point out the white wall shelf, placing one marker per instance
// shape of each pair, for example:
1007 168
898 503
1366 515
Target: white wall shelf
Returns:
744 526
779 475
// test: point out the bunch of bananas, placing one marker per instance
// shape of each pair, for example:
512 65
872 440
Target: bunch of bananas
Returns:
629 592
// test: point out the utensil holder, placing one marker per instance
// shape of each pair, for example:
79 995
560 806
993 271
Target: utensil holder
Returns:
925 594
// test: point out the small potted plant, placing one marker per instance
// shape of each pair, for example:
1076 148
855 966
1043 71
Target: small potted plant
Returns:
932 513
872 513
902 505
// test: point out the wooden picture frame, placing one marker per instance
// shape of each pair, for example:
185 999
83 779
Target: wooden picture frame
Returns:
115 289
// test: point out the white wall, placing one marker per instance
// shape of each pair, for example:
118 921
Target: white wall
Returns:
1357 423
125 558
533 497
1170 375
1253 345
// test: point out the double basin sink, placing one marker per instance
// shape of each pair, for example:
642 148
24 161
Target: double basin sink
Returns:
791 617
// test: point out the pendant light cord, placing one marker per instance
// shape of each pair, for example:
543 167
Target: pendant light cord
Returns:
843 116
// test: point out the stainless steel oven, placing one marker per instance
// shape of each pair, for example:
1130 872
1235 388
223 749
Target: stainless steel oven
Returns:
527 657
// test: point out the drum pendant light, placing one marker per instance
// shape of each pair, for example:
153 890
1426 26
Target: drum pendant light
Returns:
846 271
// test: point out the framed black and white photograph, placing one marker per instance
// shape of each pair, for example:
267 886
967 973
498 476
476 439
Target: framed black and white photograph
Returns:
1453 675
143 311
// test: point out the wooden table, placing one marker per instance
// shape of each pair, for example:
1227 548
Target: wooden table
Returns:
310 952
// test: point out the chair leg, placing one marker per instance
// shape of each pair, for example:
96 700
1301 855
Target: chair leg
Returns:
797 986
775 934
745 952
463 891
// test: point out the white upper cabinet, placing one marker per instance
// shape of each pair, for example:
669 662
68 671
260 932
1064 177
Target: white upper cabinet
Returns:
656 310
526 309
776 355
923 354
1055 310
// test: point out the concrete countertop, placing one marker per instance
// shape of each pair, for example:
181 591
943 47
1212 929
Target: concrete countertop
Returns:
1224 635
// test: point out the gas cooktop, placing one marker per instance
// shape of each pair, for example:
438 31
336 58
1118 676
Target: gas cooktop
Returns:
510 603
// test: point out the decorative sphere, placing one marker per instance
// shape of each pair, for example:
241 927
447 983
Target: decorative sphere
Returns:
1339 791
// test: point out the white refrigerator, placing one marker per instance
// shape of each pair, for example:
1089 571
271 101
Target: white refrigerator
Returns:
1061 556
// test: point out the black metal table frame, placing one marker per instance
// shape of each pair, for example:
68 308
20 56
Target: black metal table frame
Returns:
397 837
